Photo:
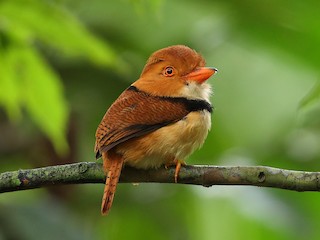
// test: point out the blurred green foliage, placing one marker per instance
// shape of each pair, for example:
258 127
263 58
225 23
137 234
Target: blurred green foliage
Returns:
26 79
62 63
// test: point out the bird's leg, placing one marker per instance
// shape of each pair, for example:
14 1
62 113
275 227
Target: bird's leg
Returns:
178 164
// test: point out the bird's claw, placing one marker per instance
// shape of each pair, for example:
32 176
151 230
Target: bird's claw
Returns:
178 163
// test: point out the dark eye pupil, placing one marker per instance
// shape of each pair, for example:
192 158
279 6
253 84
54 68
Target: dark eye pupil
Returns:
169 71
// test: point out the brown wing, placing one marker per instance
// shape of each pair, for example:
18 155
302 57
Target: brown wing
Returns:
136 113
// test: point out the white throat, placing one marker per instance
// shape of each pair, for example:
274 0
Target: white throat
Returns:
197 91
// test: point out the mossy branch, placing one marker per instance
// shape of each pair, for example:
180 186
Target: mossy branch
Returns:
90 172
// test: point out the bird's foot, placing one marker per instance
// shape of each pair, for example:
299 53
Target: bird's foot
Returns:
178 164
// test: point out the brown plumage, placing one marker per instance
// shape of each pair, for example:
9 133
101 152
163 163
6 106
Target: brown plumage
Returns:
114 166
160 119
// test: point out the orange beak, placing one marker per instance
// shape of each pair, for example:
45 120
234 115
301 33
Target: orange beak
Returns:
201 74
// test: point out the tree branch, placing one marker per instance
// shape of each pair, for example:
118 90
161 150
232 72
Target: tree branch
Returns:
90 172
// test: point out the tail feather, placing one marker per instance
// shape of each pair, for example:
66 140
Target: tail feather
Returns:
113 164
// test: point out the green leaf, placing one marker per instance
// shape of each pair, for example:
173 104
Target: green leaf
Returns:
26 80
49 23
43 97
312 97
9 94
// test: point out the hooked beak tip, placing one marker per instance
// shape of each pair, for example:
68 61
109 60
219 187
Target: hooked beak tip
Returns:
214 69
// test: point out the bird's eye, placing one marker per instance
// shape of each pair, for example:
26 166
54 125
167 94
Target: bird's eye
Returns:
168 72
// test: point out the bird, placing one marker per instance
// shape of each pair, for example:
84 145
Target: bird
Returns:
159 120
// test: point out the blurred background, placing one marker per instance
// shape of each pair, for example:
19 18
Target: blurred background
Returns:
63 62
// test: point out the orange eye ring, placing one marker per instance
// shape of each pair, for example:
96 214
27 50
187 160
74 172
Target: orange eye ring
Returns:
169 71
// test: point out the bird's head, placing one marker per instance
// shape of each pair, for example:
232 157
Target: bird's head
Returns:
176 71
